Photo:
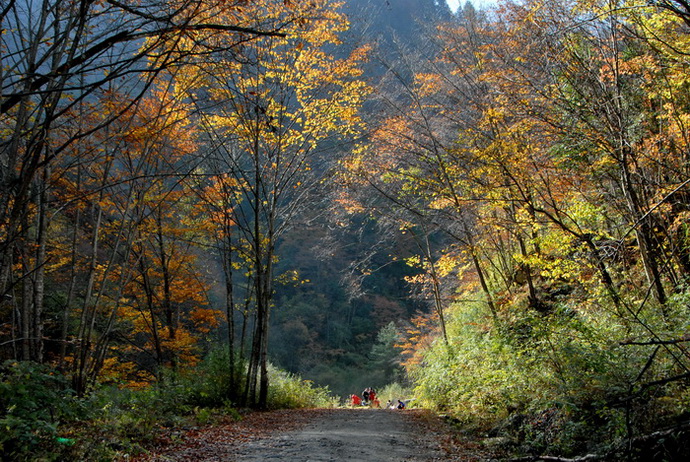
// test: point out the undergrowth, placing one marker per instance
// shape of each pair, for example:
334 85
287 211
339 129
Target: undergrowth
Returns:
42 418
565 383
394 392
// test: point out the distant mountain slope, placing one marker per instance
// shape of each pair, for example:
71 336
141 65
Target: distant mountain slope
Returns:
385 19
325 329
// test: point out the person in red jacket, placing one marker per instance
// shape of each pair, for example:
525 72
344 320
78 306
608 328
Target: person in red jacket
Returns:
373 398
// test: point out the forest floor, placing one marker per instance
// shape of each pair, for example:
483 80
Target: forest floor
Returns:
322 435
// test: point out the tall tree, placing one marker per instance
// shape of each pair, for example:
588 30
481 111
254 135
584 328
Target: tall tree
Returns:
271 106
58 59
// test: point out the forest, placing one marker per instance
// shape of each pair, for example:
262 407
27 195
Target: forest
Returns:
255 204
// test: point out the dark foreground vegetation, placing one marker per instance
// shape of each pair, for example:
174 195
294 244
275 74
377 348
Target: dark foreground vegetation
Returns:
43 419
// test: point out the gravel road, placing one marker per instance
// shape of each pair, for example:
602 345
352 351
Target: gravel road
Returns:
311 435
354 435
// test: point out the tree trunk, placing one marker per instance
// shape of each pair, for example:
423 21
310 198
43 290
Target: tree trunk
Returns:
485 286
643 230
533 298
230 309
39 284
170 317
436 283
27 299
66 310
84 336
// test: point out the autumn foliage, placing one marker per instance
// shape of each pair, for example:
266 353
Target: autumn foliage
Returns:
130 209
538 160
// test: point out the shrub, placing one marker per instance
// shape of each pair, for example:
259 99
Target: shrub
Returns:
34 400
394 392
209 384
42 419
289 391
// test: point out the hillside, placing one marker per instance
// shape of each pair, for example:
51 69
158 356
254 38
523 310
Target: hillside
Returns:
325 330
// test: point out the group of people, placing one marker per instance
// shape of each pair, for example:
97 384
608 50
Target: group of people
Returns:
393 405
369 398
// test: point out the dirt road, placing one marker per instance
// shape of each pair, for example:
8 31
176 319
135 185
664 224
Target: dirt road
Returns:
324 435
355 435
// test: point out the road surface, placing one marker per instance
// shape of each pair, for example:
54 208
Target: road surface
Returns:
317 435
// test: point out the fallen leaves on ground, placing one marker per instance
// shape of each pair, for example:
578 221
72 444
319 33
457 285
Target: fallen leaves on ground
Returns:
221 440
457 446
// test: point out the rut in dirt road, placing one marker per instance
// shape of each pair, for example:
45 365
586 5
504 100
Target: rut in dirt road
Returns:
354 435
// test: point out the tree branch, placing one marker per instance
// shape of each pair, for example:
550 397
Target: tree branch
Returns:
121 37
588 457
657 342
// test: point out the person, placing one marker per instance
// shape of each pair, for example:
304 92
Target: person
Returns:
355 400
365 395
401 404
373 399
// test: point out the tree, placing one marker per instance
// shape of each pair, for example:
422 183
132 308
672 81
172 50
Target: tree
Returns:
271 106
385 356
420 173
571 162
58 61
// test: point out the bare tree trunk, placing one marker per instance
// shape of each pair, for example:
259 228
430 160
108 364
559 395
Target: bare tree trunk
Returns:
168 309
643 231
626 158
27 310
527 270
480 272
245 325
484 284
226 246
39 277
436 287
101 345
148 289
66 310
252 372
84 335
266 293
